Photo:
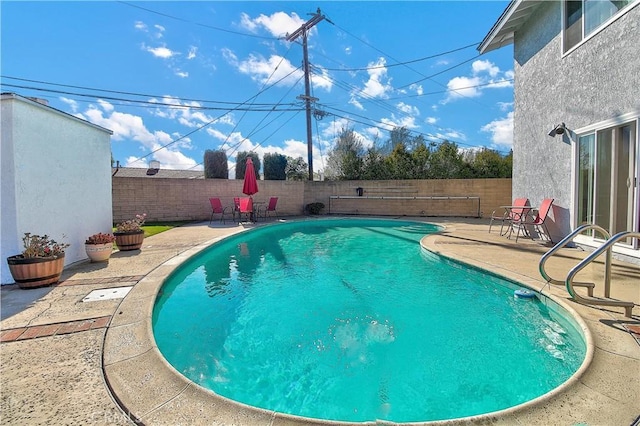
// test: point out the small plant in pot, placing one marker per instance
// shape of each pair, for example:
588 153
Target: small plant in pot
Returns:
129 233
40 263
99 247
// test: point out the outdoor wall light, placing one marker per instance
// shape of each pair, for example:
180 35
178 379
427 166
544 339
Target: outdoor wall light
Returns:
558 130
154 167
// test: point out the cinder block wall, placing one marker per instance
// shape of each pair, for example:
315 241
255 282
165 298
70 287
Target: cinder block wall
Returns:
165 199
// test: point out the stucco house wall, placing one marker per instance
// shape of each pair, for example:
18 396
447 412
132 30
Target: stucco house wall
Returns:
55 178
596 81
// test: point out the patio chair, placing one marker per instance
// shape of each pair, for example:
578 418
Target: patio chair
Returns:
538 222
218 208
246 207
271 207
236 207
510 212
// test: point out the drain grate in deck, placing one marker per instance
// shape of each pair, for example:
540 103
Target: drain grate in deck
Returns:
107 294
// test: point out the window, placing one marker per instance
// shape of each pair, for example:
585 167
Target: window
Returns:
584 17
607 169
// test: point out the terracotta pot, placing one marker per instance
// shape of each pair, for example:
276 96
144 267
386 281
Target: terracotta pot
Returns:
99 252
129 240
32 272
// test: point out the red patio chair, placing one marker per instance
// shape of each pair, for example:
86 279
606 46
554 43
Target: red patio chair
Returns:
271 207
217 208
538 222
509 214
245 206
236 207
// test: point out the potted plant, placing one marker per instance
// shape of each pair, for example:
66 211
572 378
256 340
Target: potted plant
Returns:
99 247
40 263
129 234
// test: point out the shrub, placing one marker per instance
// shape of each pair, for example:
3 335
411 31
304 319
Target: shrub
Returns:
314 208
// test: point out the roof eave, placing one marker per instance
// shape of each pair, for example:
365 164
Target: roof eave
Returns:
503 31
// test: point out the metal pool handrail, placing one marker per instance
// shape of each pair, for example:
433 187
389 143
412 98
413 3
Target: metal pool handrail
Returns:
628 306
566 240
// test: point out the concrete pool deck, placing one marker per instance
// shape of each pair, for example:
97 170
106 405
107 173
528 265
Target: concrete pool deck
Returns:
66 361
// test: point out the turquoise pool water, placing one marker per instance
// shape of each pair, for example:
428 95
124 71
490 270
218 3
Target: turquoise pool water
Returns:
351 320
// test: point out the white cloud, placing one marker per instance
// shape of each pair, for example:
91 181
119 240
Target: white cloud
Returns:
417 88
105 105
72 103
505 106
320 79
501 131
450 134
234 139
378 85
161 52
353 101
463 87
182 74
192 52
431 120
348 50
128 127
277 24
374 133
408 109
187 113
484 75
485 66
141 26
406 121
274 69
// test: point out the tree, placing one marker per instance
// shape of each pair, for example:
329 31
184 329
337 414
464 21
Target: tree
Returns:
215 165
488 163
241 164
397 136
345 159
297 169
275 166
400 163
447 163
421 155
374 166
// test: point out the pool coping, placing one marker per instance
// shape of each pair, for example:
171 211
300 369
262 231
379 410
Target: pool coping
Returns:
151 391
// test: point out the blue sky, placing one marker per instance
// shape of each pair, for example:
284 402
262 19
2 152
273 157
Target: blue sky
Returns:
173 79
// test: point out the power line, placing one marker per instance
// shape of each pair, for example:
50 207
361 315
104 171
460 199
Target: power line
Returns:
403 63
120 92
166 15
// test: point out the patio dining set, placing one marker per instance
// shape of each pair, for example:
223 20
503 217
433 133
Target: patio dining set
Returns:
243 206
523 219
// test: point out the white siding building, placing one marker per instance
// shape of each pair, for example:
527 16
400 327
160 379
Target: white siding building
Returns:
55 178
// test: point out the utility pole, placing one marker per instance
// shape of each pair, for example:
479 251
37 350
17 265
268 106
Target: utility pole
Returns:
303 31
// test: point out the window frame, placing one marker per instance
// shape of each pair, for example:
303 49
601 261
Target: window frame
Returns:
620 121
595 31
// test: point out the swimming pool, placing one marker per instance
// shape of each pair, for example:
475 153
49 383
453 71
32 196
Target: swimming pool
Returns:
351 320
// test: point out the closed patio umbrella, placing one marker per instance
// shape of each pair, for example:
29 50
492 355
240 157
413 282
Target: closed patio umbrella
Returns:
250 183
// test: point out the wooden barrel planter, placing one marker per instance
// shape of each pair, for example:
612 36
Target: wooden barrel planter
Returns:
129 240
32 272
